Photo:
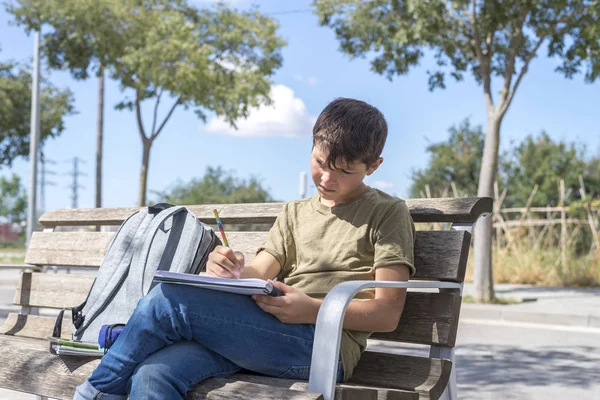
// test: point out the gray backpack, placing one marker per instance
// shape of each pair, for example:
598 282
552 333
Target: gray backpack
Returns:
161 237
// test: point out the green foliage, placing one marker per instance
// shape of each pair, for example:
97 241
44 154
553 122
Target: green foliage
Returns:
83 34
457 160
542 161
13 199
15 111
484 37
215 59
535 160
215 187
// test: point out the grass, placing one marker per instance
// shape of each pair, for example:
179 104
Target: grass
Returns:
542 267
12 254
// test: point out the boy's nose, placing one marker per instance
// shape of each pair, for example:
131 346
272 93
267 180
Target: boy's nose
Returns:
326 176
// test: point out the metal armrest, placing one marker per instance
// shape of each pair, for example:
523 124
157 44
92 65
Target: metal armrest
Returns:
330 320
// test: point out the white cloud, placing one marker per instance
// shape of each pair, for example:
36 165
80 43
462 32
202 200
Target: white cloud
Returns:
287 116
382 185
311 80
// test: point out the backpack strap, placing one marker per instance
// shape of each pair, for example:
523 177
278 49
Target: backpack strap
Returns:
139 263
204 249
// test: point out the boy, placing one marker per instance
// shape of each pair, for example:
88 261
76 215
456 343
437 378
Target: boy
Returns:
179 336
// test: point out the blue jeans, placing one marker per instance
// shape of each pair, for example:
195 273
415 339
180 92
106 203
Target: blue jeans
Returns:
180 335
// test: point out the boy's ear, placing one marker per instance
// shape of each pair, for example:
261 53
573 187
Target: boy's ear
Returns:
374 166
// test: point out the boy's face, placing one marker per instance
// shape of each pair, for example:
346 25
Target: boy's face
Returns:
341 184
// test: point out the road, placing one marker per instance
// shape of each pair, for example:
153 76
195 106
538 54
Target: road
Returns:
504 360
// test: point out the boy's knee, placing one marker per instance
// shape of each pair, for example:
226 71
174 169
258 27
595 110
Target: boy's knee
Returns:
153 377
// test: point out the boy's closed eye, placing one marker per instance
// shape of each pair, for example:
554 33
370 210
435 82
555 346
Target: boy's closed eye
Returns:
347 172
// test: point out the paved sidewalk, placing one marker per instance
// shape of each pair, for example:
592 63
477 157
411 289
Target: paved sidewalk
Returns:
541 305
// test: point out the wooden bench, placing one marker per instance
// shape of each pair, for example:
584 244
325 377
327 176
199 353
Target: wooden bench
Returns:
429 318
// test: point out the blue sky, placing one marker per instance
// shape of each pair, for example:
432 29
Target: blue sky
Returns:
275 144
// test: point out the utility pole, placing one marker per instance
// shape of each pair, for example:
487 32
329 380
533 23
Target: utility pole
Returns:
35 138
76 186
43 181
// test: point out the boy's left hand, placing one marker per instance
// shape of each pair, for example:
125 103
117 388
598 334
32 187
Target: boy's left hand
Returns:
294 307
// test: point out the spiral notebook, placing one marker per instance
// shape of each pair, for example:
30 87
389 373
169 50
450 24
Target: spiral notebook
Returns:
240 286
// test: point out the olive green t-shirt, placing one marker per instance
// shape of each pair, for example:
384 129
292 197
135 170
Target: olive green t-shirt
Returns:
319 246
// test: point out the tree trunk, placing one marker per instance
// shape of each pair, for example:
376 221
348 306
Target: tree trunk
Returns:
146 144
99 138
484 282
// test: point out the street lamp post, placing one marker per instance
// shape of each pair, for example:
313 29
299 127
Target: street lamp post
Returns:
35 138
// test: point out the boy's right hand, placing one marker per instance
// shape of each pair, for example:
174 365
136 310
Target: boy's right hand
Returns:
225 263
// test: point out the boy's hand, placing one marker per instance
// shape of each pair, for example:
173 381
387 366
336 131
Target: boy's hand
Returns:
294 307
225 263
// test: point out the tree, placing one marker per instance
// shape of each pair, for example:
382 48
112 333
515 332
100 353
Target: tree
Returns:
487 38
81 39
544 162
454 161
215 60
535 160
13 199
15 111
216 187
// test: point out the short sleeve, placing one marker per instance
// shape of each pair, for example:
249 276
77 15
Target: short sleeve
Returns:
279 241
394 238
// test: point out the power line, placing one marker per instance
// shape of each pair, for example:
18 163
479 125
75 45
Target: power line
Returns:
43 181
76 186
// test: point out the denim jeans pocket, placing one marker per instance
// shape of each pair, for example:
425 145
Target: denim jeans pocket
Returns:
303 372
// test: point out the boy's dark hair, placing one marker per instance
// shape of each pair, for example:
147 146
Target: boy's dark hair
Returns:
350 130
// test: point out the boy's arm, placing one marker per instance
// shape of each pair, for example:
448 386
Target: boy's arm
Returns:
380 314
264 266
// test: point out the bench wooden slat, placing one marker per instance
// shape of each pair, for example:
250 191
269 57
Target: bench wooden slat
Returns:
82 249
344 391
428 318
35 326
439 255
27 366
465 209
52 290
229 389
349 391
249 213
57 377
87 249
427 376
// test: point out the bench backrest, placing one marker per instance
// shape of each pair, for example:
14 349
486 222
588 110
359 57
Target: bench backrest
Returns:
428 318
